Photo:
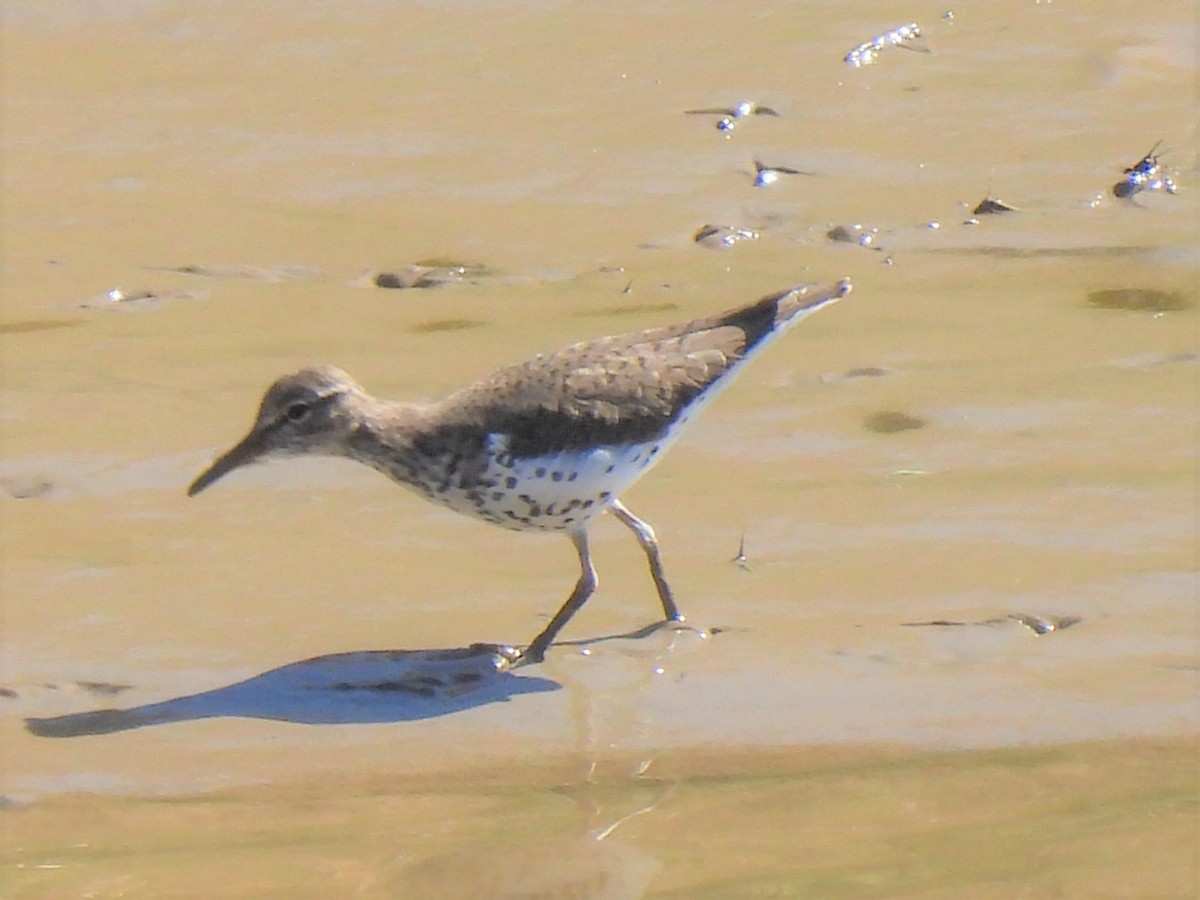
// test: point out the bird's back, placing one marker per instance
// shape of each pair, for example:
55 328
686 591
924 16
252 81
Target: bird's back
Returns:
628 387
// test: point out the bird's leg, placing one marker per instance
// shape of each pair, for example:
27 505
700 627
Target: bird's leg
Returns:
645 536
583 589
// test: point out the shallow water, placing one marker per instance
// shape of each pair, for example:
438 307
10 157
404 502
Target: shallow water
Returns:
968 437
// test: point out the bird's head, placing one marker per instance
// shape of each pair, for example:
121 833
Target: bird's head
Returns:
309 412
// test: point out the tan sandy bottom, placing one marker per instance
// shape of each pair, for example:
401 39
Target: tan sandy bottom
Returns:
1103 819
996 433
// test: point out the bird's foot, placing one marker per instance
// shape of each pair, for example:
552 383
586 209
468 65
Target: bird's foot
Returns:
529 656
536 652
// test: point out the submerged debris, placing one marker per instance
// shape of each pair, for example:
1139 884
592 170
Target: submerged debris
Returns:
1037 624
132 301
437 325
764 174
902 36
26 488
116 295
853 234
990 205
857 373
103 688
1040 625
423 274
722 236
740 559
1147 174
1139 300
238 270
404 278
890 421
730 114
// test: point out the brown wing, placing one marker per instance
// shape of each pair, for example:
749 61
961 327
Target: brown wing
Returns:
623 388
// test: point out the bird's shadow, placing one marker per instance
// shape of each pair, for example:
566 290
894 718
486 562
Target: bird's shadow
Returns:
362 687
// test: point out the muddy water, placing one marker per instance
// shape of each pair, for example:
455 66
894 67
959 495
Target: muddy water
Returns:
965 447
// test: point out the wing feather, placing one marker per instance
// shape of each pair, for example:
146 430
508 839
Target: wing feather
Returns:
615 389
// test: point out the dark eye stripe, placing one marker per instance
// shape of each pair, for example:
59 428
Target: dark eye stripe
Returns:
297 411
303 407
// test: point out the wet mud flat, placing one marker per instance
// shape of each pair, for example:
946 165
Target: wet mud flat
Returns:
938 545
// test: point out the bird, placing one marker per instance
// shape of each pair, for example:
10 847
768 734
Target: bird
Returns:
544 445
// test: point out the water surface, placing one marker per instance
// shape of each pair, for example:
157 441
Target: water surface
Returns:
238 172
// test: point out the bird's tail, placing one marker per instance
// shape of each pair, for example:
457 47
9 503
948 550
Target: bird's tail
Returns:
795 303
764 320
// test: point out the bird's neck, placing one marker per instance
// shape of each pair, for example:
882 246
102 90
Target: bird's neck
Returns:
384 436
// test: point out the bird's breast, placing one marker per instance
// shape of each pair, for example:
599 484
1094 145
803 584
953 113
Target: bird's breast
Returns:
556 492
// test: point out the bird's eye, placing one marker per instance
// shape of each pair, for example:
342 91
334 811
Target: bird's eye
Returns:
297 412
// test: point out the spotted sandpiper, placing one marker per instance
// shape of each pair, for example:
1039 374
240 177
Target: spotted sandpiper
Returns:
545 445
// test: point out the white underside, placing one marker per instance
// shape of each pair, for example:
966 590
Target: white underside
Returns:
554 493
